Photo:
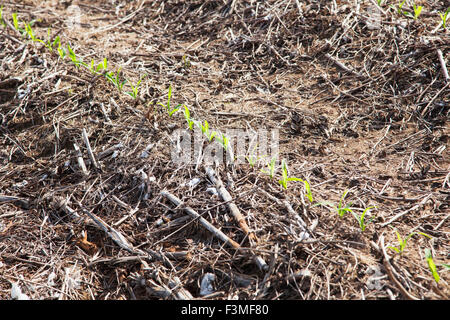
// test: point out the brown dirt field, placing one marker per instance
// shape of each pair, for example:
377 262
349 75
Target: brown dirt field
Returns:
357 94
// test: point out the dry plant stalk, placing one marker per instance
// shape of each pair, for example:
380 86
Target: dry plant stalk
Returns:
216 232
225 195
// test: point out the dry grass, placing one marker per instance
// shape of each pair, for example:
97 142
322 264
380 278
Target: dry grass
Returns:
360 104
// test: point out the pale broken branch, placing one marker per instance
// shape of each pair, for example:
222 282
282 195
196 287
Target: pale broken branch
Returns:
88 147
225 195
80 160
216 232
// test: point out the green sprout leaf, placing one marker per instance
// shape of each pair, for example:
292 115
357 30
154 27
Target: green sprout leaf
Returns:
417 11
431 265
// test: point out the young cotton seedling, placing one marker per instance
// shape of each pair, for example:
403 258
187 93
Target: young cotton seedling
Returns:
432 265
402 242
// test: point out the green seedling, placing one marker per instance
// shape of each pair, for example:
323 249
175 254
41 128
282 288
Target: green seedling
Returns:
308 191
16 22
186 62
271 166
222 139
417 11
187 116
340 209
444 17
446 266
431 265
284 175
100 67
380 2
251 158
115 79
400 9
402 242
361 220
205 130
167 105
134 89
73 57
2 22
31 35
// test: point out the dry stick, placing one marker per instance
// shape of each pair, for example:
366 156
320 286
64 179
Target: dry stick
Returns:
406 211
225 195
115 235
130 16
342 66
390 273
443 66
21 202
216 232
80 160
89 150
434 98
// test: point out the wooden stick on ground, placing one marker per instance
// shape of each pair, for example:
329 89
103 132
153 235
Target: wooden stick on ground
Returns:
80 160
88 147
216 232
115 235
443 66
225 195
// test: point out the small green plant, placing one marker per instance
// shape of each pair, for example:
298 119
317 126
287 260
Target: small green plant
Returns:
340 209
167 105
15 21
100 67
444 17
284 175
187 116
271 166
2 22
115 79
402 242
134 89
73 57
251 158
431 265
308 191
186 62
399 8
417 11
222 139
379 2
361 220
